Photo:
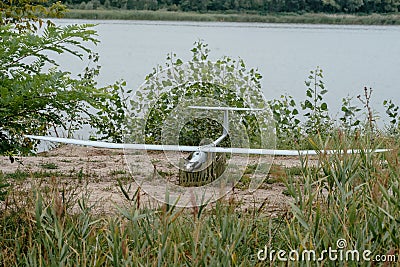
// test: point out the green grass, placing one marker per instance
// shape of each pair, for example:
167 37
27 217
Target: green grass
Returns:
307 18
117 172
49 165
19 175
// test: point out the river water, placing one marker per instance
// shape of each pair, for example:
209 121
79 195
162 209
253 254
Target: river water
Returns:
351 56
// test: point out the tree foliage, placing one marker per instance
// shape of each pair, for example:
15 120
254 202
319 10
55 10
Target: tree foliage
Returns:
27 15
37 96
316 109
161 107
258 6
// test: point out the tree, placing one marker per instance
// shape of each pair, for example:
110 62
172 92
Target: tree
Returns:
24 14
314 5
130 4
218 5
89 5
37 96
351 5
318 120
160 108
390 5
96 4
331 5
107 4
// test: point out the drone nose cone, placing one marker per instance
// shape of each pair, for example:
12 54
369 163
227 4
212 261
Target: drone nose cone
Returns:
196 161
189 167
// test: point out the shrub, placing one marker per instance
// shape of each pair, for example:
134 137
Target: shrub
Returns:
38 97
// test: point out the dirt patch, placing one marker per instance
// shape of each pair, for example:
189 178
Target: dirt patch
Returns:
95 172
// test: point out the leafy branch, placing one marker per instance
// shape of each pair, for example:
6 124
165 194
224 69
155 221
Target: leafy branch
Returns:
316 109
36 96
16 47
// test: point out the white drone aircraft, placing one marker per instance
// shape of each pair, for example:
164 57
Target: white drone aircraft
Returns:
199 153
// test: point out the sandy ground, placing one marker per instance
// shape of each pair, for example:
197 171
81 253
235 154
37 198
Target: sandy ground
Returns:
95 172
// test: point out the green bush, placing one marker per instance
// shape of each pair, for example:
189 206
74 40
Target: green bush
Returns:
225 82
38 97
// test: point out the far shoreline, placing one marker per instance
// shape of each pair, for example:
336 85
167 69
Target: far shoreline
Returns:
292 18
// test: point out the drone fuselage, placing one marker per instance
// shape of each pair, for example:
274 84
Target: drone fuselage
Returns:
198 158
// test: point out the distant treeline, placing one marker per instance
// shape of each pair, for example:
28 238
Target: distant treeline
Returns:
247 6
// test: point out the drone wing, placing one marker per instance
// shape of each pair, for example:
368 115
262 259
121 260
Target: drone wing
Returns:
194 148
